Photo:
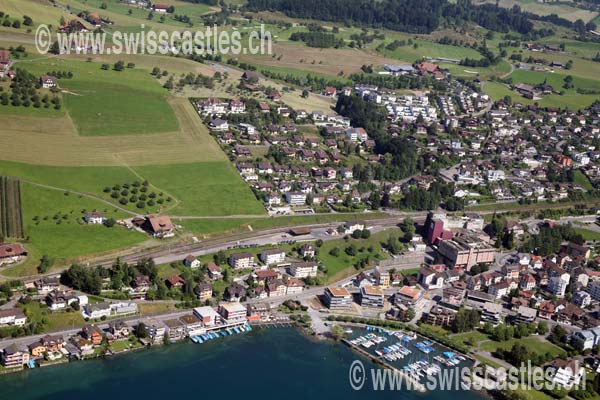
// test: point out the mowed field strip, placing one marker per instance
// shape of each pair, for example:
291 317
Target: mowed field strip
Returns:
54 141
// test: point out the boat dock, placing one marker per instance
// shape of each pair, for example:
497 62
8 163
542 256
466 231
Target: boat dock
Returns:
405 375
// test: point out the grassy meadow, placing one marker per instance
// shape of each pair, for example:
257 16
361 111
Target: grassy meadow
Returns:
110 102
54 227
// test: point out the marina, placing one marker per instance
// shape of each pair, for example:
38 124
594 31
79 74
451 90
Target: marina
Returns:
414 356
236 330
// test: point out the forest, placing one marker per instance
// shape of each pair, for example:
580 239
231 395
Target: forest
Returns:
413 16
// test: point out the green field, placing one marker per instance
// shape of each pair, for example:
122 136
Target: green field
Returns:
117 7
211 188
534 344
52 321
59 232
199 189
571 99
588 234
92 102
580 178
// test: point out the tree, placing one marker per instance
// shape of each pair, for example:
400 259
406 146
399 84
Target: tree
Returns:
338 333
542 327
140 331
45 263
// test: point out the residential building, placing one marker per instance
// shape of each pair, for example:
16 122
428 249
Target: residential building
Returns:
295 198
294 286
566 373
214 271
203 291
337 299
96 310
558 284
175 330
492 312
207 315
192 262
272 256
14 356
12 317
382 278
93 334
303 269
526 314
371 296
439 316
594 290
233 312
241 260
581 299
156 330
408 296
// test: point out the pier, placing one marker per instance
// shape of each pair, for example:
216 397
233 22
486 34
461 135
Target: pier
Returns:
414 382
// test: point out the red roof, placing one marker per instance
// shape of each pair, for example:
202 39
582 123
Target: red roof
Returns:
4 56
11 250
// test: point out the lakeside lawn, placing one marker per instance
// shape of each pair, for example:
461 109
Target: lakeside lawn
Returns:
52 321
89 97
534 344
155 308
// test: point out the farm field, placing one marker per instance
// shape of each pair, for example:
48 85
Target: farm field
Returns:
210 188
116 6
570 99
53 226
11 217
54 141
197 188
460 71
95 110
562 9
39 10
314 60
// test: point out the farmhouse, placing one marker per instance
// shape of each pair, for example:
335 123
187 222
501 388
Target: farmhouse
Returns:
48 81
4 62
159 226
402 69
250 76
94 217
10 253
161 8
